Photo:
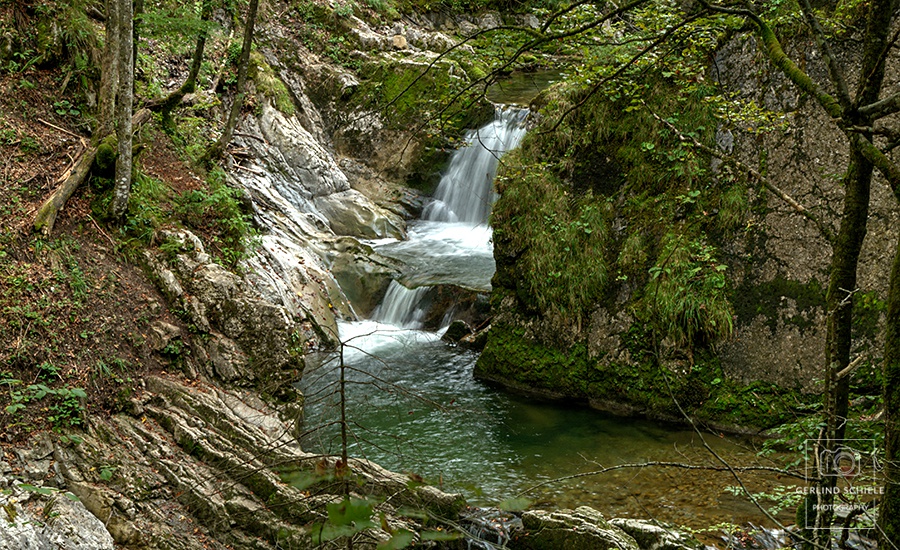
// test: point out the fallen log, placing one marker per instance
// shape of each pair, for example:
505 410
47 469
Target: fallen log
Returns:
71 179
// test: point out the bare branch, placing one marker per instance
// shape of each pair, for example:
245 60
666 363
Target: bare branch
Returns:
780 59
679 465
881 108
827 234
837 74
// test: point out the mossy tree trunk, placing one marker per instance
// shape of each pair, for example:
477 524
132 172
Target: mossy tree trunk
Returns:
889 513
109 76
853 118
124 104
217 149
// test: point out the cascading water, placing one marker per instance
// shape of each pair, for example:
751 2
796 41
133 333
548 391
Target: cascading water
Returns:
452 238
465 193
400 306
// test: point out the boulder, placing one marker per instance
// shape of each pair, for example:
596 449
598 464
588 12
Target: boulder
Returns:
352 213
457 331
490 20
364 278
581 529
399 42
162 334
48 519
652 535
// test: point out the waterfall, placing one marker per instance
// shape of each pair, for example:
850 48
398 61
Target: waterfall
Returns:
464 197
401 306
465 192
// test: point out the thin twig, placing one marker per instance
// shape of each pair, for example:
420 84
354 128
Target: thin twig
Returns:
55 127
102 232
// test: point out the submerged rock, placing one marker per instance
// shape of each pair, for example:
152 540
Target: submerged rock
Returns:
457 331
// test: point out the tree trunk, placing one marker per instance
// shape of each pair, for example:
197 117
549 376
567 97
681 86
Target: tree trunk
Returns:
839 306
889 512
109 77
46 214
190 84
218 148
122 188
135 34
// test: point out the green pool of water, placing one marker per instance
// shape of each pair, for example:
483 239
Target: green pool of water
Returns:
415 407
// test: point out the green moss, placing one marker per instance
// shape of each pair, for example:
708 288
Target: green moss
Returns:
767 299
867 311
270 84
509 355
513 359
107 151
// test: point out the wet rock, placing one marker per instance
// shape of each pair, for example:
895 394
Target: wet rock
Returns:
364 278
581 529
352 213
651 535
476 340
457 331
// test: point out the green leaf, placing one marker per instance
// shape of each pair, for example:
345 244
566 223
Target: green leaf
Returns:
439 535
401 539
38 490
514 504
350 510
78 392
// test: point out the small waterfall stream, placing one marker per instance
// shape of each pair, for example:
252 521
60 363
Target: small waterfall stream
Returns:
465 193
415 407
457 214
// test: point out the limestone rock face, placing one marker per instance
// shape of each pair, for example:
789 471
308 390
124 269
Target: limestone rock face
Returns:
197 467
581 529
243 328
308 168
56 520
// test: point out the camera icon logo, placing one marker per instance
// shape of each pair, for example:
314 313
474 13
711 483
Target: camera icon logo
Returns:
841 462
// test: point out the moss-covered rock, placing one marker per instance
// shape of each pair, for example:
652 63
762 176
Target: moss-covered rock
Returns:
520 361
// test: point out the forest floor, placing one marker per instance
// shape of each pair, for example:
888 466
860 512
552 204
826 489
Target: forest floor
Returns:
76 307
